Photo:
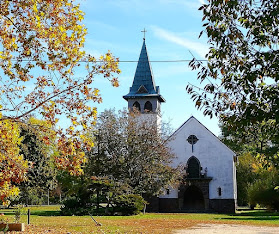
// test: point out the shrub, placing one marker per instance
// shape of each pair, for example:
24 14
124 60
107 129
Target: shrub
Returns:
125 204
72 206
263 191
130 204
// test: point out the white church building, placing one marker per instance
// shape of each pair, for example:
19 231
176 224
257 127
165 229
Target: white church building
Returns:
208 181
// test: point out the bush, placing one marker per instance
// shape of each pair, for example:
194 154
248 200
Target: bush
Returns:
124 204
263 191
130 204
73 206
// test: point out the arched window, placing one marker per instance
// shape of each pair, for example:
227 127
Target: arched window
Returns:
193 168
136 105
148 106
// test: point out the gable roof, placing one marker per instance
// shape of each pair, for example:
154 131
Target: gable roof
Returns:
211 133
144 78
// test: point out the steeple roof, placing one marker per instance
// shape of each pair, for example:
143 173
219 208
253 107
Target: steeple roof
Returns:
144 84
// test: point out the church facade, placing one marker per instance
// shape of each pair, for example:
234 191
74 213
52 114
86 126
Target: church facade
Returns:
208 180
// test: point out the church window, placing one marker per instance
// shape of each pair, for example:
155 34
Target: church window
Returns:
219 191
148 106
193 168
192 139
137 106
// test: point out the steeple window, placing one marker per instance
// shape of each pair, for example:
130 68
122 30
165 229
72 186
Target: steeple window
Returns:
136 105
148 106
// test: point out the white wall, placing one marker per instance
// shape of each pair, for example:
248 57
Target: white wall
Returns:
211 152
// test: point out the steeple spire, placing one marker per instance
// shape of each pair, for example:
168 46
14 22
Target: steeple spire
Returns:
144 94
144 84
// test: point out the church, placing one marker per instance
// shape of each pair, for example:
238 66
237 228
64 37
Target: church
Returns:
208 181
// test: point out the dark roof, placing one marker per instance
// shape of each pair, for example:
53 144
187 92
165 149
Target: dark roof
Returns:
144 85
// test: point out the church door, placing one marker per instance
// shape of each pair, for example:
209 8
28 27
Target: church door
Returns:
193 199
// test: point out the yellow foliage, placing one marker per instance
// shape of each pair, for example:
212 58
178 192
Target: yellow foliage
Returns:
36 31
12 165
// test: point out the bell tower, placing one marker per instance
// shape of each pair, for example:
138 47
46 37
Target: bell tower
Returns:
144 94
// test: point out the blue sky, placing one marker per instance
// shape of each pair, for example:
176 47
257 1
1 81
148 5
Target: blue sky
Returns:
172 28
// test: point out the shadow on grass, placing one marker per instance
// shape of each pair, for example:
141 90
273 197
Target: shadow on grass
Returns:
256 215
46 213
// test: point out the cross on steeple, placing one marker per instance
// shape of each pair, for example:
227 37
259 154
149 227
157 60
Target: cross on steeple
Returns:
144 31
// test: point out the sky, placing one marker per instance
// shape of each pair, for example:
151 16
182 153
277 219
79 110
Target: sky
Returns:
173 27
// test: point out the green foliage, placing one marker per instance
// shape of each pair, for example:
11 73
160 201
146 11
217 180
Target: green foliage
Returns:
130 204
263 191
18 212
125 204
240 83
41 175
256 145
74 206
241 76
246 176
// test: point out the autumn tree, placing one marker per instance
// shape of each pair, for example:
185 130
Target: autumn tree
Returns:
12 165
240 78
42 45
132 149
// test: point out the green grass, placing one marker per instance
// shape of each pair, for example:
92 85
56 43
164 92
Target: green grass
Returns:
48 218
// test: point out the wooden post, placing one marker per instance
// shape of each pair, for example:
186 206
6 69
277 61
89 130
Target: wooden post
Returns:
48 197
144 209
28 216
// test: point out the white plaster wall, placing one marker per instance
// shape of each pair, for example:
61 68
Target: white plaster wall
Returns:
173 193
211 153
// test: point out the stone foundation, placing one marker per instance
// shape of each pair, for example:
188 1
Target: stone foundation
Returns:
153 204
169 205
225 206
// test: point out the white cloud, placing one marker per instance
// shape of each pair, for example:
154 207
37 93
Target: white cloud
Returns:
200 48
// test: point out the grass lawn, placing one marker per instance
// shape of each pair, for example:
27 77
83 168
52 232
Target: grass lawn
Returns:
46 219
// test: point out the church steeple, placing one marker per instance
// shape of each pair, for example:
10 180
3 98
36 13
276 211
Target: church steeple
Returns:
144 93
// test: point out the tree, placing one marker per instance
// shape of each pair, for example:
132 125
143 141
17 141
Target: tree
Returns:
130 159
41 48
241 76
255 146
41 175
12 165
132 150
262 190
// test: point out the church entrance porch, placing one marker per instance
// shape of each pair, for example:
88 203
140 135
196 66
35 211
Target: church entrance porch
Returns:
193 199
193 195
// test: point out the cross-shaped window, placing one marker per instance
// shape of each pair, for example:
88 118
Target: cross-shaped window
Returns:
192 139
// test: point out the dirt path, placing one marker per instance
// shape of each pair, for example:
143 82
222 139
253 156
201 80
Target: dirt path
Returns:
228 229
